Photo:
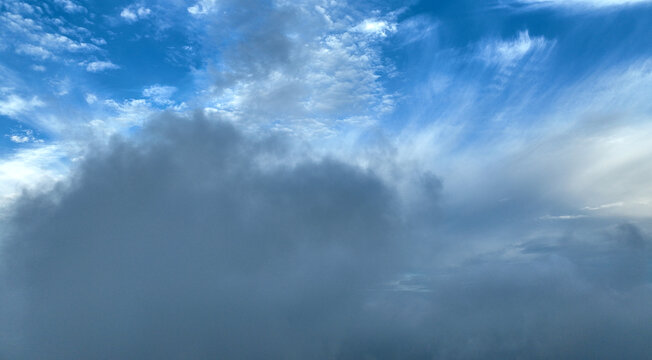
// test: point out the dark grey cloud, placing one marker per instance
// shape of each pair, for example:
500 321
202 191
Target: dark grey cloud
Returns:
182 245
199 241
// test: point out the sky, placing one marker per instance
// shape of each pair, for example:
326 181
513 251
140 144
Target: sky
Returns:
323 179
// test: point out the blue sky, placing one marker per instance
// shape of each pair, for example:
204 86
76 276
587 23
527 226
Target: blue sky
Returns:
483 166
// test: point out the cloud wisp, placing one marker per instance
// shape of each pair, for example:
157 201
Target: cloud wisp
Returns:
587 4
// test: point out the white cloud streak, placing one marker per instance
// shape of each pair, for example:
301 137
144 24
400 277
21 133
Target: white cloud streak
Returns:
99 66
13 104
583 3
70 6
34 50
508 52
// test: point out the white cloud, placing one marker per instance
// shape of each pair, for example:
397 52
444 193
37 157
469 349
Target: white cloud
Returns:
603 206
314 80
416 28
203 7
128 14
19 7
18 23
39 68
583 3
376 27
61 42
60 87
70 6
13 105
33 50
133 13
30 32
33 168
90 98
160 94
24 136
583 153
19 139
98 66
127 113
562 217
98 41
507 52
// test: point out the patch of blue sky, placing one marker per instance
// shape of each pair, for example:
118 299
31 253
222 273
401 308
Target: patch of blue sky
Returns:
64 53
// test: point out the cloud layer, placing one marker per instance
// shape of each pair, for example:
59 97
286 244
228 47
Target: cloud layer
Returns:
200 241
185 245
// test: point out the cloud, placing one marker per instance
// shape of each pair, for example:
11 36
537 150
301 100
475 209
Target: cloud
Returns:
70 6
35 51
203 246
61 42
199 240
31 32
29 168
133 13
562 217
13 104
19 139
583 3
492 231
376 27
203 7
130 112
416 28
90 98
505 53
603 206
311 69
160 94
99 66
24 136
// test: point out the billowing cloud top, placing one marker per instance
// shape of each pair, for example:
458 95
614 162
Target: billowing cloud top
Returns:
325 180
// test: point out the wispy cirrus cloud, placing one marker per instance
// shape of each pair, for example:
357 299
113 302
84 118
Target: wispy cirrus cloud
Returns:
507 52
583 3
